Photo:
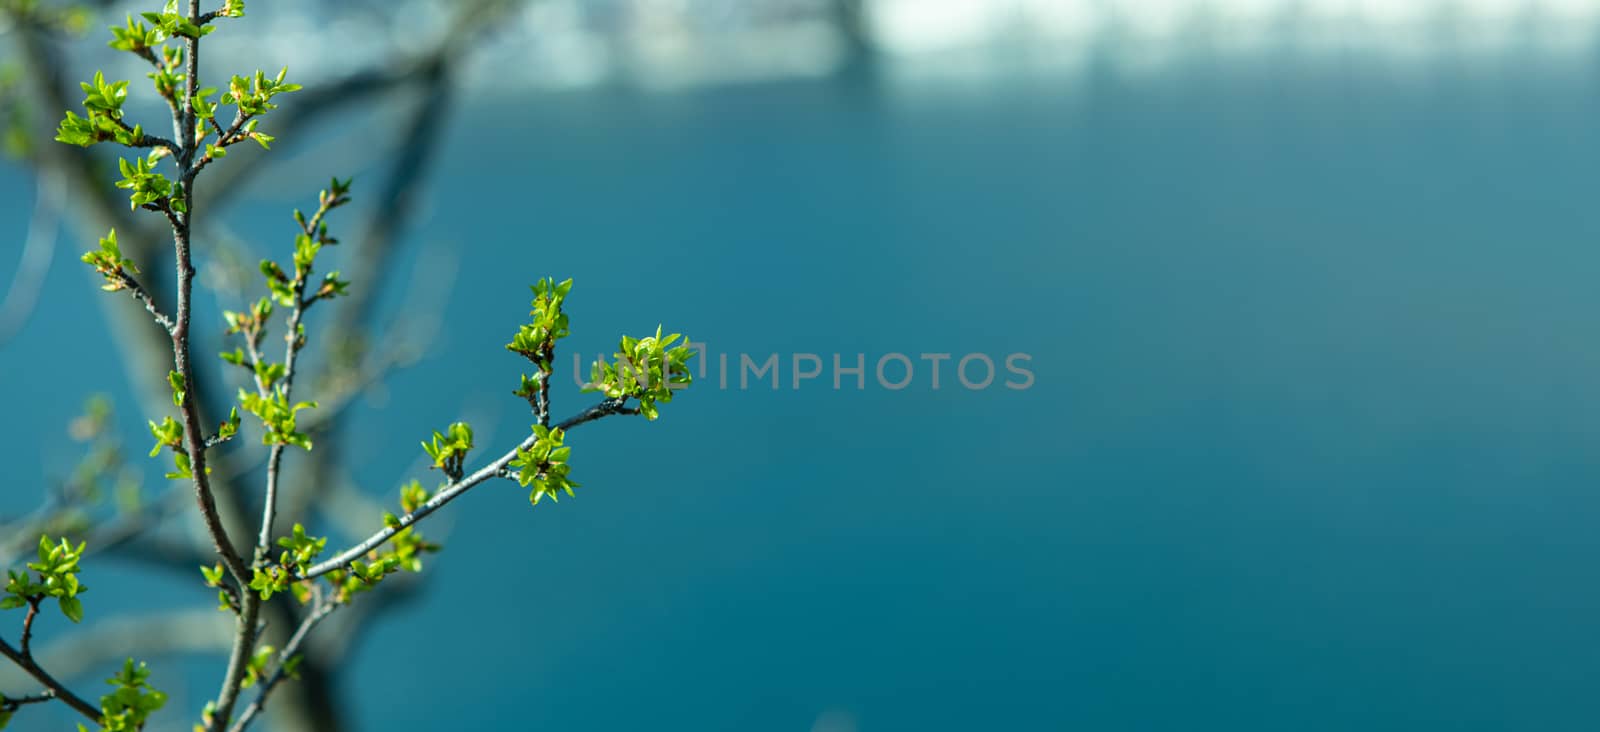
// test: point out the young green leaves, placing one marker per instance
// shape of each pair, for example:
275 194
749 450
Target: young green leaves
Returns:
136 37
131 701
170 434
254 96
277 416
175 380
146 186
55 574
104 98
449 450
226 599
544 465
408 545
109 262
648 369
256 670
299 549
404 553
536 340
103 105
229 427
172 22
308 243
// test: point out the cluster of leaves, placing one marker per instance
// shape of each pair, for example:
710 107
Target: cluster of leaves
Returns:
136 37
253 96
131 701
109 262
277 416
313 236
214 578
168 77
299 551
169 433
402 553
449 450
408 546
147 187
171 22
55 574
253 325
271 402
256 670
536 340
544 465
648 369
103 105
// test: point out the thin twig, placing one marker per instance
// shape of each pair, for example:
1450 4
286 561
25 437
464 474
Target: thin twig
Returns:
12 702
143 296
293 343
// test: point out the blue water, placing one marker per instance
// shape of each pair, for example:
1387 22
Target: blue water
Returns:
1308 445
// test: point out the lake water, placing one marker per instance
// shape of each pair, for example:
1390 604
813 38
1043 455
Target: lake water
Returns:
1308 444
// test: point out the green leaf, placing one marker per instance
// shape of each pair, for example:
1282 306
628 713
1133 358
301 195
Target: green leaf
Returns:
72 607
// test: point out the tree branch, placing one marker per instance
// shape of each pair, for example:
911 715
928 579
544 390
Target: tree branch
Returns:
194 430
293 343
457 488
26 662
143 296
247 628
